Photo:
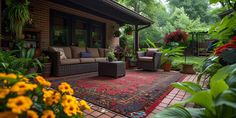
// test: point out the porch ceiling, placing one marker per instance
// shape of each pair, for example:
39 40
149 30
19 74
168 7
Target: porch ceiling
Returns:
108 9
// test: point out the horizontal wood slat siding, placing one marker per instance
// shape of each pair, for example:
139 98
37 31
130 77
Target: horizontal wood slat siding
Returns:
41 18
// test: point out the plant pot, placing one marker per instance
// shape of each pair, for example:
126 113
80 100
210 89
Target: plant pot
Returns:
188 69
46 72
129 33
167 67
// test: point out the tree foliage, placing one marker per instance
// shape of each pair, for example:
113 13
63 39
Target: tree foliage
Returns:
165 21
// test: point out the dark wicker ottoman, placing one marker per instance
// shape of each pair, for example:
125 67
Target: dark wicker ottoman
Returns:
114 69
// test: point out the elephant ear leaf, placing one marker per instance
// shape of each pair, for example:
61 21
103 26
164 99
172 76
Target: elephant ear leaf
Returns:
189 87
174 112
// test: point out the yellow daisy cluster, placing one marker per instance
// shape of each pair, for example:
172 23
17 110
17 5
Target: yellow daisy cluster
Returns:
51 97
48 114
4 92
84 105
70 105
22 87
66 88
32 114
8 76
42 81
19 104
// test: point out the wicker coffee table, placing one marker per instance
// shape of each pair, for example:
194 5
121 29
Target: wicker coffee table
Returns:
114 69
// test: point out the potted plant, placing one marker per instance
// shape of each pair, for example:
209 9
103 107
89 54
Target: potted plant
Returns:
128 30
168 54
111 56
167 64
188 68
18 14
117 33
46 69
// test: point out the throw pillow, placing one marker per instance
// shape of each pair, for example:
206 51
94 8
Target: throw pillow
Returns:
61 51
85 55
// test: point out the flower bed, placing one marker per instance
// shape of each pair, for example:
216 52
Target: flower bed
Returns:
21 97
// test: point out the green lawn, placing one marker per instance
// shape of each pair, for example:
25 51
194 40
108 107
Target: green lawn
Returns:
197 61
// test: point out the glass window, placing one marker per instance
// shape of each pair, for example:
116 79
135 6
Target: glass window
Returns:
81 34
97 36
60 34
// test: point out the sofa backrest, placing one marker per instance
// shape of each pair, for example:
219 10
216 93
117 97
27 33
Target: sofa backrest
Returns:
76 51
66 51
94 52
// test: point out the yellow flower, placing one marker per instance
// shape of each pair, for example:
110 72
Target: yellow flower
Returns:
51 97
48 114
71 109
66 88
19 104
68 100
21 87
9 76
42 81
84 105
23 78
4 92
32 114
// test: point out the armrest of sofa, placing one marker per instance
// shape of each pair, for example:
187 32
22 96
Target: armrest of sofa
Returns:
157 58
54 56
140 54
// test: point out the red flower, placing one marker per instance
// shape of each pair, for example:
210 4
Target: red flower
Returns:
233 41
219 50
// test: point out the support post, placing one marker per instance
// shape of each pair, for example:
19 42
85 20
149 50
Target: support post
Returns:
136 38
0 21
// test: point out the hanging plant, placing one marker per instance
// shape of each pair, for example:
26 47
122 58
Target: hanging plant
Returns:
18 14
117 33
128 30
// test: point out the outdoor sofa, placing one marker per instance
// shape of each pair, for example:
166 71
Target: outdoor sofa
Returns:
71 61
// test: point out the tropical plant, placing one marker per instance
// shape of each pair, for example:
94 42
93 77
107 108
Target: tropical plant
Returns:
176 36
22 98
12 62
169 53
225 29
18 14
216 102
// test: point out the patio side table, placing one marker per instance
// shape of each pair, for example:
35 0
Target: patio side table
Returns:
114 69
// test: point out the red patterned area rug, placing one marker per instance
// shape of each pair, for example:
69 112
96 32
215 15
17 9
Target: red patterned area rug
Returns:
136 94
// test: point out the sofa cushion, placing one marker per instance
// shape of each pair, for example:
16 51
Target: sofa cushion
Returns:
87 60
67 51
151 51
101 59
60 50
101 52
145 58
70 61
85 55
76 51
93 51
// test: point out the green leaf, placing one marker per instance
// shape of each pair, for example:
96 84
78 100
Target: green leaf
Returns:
227 98
174 112
204 99
190 87
196 112
217 87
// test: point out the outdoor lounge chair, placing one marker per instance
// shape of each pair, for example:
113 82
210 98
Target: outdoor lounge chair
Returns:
149 60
